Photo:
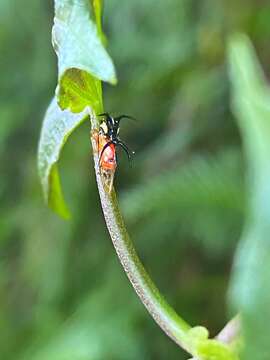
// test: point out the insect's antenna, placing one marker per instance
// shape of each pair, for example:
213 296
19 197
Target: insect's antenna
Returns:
118 118
104 114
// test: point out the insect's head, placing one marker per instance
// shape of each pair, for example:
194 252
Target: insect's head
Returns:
111 125
107 125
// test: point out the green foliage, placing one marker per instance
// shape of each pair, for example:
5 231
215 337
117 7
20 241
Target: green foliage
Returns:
82 58
57 127
251 289
203 188
76 41
61 287
82 63
83 336
78 89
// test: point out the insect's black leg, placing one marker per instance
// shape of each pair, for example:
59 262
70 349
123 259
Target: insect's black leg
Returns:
116 157
104 148
124 147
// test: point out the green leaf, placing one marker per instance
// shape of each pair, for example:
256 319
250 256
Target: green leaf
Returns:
82 58
76 41
57 127
82 63
79 89
250 290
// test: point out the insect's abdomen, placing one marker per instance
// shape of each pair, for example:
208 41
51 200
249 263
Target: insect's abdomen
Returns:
107 161
108 158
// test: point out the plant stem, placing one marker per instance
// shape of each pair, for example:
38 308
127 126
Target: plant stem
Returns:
164 315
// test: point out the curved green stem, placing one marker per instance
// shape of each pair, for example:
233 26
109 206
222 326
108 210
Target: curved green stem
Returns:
193 340
175 327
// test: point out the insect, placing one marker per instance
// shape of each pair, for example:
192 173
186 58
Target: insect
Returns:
108 140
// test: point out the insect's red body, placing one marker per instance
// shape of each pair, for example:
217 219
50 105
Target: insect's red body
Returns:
107 158
107 140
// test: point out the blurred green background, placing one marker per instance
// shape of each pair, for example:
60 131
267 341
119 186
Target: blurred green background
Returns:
63 294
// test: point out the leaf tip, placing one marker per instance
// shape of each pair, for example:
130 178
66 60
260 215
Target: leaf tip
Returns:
114 81
55 198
